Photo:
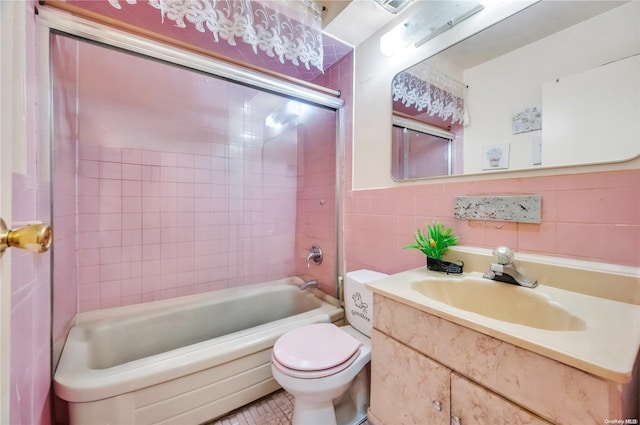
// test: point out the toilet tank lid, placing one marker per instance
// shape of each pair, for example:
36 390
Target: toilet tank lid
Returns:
365 275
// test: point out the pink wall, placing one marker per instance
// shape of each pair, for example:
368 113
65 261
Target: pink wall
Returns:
316 220
594 217
198 202
316 198
171 207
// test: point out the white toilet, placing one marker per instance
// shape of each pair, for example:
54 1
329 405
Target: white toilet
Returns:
325 367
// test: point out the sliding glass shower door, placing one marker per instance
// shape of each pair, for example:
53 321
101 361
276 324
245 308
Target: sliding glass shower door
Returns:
169 181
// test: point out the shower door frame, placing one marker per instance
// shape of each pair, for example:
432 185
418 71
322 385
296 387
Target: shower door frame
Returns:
54 20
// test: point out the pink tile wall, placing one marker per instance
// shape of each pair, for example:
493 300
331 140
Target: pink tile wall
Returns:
198 210
155 225
30 293
316 198
196 215
594 217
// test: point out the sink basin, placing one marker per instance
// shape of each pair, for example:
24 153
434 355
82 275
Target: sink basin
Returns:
501 301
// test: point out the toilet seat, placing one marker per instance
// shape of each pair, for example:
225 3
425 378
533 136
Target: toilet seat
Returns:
315 351
311 374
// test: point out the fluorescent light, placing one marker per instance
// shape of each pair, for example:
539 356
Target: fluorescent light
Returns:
433 18
398 37
457 12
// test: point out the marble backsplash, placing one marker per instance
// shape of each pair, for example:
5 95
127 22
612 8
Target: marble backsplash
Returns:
512 208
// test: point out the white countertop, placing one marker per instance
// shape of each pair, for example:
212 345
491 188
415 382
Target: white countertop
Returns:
607 347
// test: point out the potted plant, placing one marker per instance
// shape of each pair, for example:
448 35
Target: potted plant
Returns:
433 244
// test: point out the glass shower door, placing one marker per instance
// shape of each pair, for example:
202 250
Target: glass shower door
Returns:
169 181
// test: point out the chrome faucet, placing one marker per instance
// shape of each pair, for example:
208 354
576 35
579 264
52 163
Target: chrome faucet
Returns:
504 270
309 284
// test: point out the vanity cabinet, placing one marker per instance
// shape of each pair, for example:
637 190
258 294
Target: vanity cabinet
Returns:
473 404
408 387
427 370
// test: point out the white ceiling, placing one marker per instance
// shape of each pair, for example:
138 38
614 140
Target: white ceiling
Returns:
354 21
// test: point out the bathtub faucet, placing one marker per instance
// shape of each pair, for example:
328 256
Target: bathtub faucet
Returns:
309 284
315 255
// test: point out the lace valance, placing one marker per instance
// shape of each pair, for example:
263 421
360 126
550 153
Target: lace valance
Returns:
429 89
289 30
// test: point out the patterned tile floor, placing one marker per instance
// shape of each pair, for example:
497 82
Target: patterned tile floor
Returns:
274 409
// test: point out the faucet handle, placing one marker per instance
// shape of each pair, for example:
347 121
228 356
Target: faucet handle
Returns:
503 255
315 254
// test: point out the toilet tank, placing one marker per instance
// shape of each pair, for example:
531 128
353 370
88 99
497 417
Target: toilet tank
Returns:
358 300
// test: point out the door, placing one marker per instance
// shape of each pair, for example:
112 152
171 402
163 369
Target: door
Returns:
13 130
6 9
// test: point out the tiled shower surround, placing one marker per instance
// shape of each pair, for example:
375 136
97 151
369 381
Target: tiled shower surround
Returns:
189 188
154 225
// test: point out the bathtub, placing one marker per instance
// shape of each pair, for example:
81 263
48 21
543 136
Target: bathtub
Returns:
185 360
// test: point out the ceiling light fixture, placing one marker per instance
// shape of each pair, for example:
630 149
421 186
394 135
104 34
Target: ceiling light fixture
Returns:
432 19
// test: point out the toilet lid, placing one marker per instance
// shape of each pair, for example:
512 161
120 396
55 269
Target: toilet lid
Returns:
315 347
305 374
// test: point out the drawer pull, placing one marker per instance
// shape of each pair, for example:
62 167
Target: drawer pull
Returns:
437 406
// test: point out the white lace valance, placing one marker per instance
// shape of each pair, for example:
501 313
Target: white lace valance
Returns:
430 90
289 30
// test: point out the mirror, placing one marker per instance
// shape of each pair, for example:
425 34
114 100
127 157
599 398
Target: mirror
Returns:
556 84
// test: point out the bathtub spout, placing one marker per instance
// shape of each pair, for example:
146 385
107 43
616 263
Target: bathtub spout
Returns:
309 284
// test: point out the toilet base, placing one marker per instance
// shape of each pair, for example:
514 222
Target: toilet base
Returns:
311 413
348 409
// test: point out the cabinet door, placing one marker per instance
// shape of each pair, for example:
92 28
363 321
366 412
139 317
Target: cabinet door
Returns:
406 386
473 404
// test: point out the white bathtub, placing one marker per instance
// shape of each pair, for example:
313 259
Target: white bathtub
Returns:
185 360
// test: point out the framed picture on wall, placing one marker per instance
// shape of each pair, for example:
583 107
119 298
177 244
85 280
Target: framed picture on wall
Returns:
495 157
527 119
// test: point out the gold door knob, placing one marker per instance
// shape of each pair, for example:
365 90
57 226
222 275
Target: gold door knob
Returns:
32 237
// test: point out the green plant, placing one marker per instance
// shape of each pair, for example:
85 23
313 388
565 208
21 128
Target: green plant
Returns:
435 242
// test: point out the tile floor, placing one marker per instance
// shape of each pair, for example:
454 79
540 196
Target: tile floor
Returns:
274 409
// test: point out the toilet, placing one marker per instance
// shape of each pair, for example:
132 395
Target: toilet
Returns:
326 367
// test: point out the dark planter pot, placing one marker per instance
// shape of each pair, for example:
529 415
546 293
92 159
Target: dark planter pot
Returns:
444 266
